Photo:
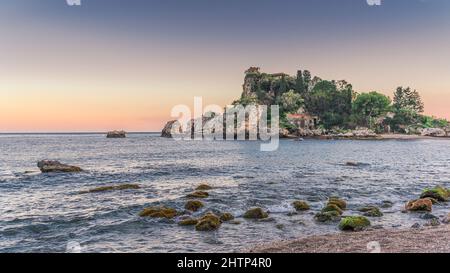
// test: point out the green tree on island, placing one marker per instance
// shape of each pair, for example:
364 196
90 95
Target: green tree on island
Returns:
369 106
290 102
332 104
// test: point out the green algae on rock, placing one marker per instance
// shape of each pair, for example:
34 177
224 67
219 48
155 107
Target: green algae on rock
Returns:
203 187
198 194
332 207
329 216
300 205
226 216
371 211
208 222
188 222
354 223
159 212
439 193
338 202
113 188
194 205
255 213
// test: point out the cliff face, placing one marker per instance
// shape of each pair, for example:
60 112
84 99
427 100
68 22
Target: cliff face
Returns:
212 126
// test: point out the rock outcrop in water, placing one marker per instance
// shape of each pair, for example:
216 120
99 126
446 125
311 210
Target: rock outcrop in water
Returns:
226 216
300 205
159 212
113 188
338 202
116 134
332 207
198 194
188 222
208 222
194 205
424 204
256 213
354 223
203 187
329 216
371 211
49 166
438 193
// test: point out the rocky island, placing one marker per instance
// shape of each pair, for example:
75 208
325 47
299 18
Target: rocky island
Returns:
311 107
116 134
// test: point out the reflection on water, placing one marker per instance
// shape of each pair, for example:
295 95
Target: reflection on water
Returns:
43 212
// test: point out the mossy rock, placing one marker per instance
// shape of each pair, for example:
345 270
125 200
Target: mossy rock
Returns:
113 188
329 216
208 222
371 211
198 194
338 202
354 223
159 212
193 205
439 193
300 205
203 187
424 204
255 213
188 222
226 216
332 207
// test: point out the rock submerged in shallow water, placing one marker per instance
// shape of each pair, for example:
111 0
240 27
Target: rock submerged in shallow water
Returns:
198 194
424 204
208 222
433 223
329 216
188 222
113 188
387 204
226 216
300 205
159 212
49 166
446 219
371 211
439 193
256 213
116 134
354 223
203 187
352 164
193 205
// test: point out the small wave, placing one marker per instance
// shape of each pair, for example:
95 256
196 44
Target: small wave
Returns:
281 208
7 175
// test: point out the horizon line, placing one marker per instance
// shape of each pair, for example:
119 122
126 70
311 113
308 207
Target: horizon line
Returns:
75 132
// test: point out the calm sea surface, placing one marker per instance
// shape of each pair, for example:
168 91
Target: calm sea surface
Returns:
46 213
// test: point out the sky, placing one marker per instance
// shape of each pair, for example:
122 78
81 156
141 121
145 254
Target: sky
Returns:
111 64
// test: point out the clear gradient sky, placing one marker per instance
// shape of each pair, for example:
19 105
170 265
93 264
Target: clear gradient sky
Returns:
116 64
